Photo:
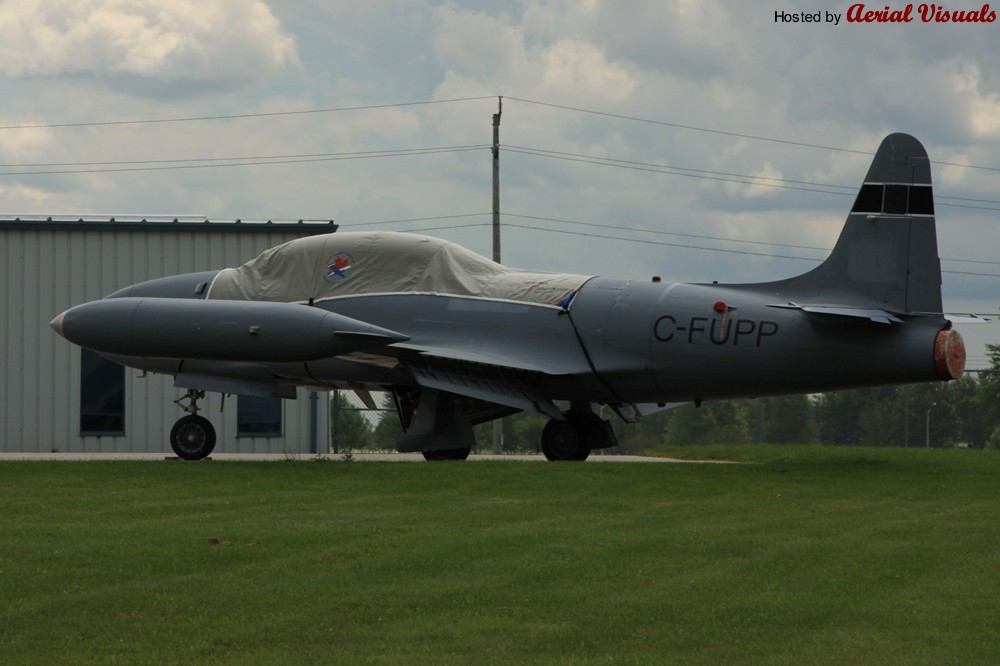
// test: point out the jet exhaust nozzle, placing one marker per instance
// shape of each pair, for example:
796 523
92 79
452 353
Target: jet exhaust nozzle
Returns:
949 354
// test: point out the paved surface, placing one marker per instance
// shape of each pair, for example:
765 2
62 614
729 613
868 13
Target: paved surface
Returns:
361 457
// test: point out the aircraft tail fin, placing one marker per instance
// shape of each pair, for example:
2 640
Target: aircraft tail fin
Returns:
886 256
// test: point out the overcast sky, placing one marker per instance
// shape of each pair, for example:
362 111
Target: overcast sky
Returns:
634 130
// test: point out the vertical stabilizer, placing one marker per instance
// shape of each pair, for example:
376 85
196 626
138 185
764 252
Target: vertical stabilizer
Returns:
886 256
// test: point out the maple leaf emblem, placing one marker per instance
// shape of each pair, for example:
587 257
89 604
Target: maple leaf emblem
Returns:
337 267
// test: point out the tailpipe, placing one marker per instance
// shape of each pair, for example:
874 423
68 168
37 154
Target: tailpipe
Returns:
949 354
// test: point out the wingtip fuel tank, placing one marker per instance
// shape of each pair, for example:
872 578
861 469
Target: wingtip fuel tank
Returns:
217 330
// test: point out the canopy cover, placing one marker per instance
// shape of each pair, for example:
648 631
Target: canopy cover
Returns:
351 263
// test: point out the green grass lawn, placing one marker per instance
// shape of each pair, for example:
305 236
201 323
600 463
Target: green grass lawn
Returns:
811 555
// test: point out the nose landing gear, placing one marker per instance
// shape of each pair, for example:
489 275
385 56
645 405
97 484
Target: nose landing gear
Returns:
193 436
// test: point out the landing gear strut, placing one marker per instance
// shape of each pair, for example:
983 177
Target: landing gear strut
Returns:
577 436
193 436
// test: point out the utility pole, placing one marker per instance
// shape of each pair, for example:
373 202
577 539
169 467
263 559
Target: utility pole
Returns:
498 423
496 180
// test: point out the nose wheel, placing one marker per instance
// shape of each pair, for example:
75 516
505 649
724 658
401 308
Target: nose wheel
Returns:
193 436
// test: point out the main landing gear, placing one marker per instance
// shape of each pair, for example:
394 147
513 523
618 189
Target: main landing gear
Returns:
447 454
439 425
574 438
193 436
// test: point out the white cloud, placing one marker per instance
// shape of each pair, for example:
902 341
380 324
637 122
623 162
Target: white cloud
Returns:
983 111
30 144
176 40
476 46
761 184
23 197
574 68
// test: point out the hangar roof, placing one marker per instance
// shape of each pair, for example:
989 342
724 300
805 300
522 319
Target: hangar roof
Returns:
168 223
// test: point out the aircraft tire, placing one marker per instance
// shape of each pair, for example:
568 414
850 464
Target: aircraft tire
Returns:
562 440
595 433
192 437
448 454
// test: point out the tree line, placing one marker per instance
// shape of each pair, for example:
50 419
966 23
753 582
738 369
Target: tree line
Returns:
964 412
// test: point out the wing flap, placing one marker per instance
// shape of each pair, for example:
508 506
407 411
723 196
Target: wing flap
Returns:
548 367
483 382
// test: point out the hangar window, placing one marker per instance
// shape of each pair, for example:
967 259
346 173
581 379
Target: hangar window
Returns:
102 396
258 417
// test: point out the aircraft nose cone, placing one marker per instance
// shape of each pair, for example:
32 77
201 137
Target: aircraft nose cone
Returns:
57 324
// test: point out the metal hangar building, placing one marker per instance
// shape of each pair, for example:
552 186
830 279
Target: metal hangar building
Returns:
55 397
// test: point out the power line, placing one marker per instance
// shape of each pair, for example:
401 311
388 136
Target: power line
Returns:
415 219
216 163
665 233
745 179
264 160
270 114
666 167
664 243
366 107
124 166
741 179
695 128
633 240
445 228
715 249
372 153
726 177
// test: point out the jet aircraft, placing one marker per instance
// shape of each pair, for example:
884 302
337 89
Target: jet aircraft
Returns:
459 340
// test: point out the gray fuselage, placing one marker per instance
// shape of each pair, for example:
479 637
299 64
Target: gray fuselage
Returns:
620 341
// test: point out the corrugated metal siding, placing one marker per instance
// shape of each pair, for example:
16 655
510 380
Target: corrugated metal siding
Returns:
47 272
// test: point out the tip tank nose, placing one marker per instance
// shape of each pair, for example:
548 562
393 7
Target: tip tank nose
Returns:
57 324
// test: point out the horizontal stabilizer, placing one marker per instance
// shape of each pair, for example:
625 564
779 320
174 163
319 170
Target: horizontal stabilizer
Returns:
875 315
966 319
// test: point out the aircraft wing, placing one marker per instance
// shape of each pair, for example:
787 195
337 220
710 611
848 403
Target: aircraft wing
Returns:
501 352
490 377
